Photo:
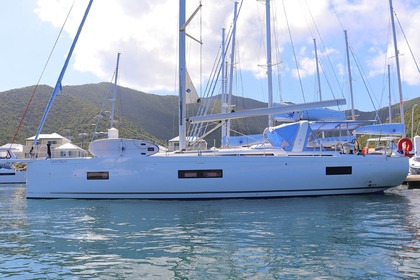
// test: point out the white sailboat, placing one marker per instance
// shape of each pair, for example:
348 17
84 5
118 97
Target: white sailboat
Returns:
135 169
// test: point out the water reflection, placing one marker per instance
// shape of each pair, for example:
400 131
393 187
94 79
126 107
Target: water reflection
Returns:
345 236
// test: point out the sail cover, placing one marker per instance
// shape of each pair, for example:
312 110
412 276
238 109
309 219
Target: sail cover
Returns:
291 137
396 129
316 114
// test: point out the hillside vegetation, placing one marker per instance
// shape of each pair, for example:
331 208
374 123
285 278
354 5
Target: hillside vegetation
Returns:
138 114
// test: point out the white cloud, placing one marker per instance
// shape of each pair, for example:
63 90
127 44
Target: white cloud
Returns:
145 32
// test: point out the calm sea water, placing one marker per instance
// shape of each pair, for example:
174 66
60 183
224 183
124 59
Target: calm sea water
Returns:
351 237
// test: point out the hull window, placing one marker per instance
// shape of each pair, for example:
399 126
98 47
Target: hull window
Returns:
187 174
339 170
7 174
98 175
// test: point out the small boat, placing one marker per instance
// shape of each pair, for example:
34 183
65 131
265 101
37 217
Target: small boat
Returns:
9 172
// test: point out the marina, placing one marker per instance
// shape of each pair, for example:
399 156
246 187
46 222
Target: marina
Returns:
298 203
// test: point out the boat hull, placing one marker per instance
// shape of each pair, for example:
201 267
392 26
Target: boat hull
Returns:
414 165
209 177
13 177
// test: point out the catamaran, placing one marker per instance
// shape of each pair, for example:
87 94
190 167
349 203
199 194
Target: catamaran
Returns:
283 166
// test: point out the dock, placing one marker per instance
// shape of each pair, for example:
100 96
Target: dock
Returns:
412 181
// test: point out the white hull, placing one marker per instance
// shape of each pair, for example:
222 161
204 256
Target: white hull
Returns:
158 176
12 177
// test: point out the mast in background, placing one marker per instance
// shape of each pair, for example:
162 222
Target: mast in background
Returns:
182 78
353 116
389 95
397 62
317 71
115 91
269 65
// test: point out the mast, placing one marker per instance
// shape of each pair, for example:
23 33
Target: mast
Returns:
389 95
223 88
269 70
58 86
353 117
115 91
232 62
182 78
397 62
317 71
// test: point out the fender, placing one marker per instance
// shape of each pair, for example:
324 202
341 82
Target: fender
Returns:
405 145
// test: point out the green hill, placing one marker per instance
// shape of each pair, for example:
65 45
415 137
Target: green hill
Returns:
138 114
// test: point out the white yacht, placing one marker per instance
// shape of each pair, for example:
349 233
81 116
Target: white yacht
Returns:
135 169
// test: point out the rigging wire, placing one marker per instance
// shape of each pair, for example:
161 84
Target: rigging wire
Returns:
101 111
405 37
277 52
294 52
328 57
261 48
42 74
358 67
317 87
212 82
367 85
386 80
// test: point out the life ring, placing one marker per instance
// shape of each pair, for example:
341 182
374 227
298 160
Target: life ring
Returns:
405 145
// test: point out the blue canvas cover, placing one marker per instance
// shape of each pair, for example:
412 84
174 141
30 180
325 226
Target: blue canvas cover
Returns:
318 114
245 140
396 129
284 135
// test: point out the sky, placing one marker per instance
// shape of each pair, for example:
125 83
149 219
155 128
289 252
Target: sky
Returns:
145 33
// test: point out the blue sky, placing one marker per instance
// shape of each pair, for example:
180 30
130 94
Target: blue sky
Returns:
145 32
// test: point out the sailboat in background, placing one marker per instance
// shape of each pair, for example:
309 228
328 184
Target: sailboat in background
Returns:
285 168
389 138
112 146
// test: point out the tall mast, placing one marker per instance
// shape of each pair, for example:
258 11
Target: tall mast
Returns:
389 95
269 65
317 71
223 103
397 62
353 117
182 78
115 91
232 62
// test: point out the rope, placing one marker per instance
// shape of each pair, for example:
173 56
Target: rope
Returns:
409 47
40 77
294 52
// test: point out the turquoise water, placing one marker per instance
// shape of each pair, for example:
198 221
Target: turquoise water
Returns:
347 237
